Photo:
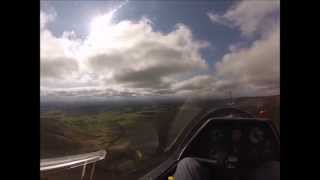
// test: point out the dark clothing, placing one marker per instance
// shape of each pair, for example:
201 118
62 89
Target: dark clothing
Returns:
267 171
191 169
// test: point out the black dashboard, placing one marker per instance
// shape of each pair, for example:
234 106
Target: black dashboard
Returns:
235 143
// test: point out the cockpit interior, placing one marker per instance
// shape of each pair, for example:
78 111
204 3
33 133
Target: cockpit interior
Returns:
233 147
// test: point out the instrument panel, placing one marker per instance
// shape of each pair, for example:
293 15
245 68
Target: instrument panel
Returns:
235 143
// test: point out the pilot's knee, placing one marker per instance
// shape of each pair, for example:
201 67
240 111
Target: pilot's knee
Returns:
188 162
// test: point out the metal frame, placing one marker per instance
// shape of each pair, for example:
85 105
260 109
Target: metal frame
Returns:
68 162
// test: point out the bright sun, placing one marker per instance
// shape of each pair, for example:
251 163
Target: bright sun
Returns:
101 22
101 29
103 32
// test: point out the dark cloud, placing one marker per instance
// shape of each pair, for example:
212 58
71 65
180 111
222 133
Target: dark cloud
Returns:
103 62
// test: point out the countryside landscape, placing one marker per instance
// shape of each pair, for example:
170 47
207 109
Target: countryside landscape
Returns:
131 131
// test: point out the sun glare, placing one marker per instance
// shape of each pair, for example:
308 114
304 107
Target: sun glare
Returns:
101 22
101 30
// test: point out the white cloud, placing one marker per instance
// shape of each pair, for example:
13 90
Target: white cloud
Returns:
126 56
57 61
46 18
145 58
130 58
246 71
254 69
250 17
258 64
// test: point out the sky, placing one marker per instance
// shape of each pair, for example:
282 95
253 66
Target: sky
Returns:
136 48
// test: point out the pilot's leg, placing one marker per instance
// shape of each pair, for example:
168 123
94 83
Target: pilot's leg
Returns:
191 169
268 171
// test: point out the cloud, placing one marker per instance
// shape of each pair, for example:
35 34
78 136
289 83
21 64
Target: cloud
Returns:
258 64
56 59
59 65
195 83
251 17
151 62
246 71
45 18
254 69
143 58
129 56
58 68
